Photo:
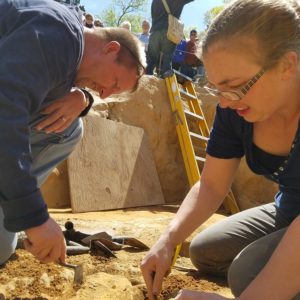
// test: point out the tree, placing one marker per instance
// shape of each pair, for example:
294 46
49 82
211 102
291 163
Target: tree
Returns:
125 10
212 13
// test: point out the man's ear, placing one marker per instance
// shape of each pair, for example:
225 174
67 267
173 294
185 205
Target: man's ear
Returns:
112 47
289 64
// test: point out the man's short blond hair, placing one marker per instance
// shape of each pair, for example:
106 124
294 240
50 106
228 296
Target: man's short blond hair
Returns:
132 53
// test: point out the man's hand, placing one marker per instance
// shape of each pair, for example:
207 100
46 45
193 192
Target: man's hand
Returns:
62 112
46 242
194 295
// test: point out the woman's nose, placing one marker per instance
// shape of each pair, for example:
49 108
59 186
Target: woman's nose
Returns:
223 102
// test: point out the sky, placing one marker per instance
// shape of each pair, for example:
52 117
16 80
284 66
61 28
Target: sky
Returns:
192 15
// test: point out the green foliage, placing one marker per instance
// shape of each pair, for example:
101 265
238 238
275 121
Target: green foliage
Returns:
211 14
135 22
109 17
125 10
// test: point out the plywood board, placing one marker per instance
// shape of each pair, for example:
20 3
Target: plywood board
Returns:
112 168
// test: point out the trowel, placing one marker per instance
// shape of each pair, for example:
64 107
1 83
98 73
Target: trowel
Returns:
78 271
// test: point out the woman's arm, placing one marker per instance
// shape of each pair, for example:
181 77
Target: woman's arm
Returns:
280 278
201 202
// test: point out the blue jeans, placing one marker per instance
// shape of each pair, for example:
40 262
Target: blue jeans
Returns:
160 53
47 150
201 71
188 70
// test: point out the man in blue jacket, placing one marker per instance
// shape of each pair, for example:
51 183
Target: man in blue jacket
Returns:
160 49
45 52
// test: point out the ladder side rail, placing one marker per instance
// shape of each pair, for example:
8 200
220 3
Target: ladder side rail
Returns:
183 125
182 128
182 131
195 107
229 202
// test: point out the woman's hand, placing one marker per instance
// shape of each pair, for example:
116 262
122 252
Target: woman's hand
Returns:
156 265
194 295
62 112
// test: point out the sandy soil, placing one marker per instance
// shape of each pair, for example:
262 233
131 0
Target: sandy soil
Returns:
23 277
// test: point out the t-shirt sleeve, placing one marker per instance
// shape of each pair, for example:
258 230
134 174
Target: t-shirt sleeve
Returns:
225 137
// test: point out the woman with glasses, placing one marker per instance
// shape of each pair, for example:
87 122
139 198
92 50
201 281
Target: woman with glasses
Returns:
251 53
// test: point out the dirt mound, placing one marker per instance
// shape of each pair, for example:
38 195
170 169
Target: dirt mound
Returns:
23 277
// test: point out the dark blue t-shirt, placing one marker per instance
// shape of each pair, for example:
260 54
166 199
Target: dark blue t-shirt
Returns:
41 47
232 137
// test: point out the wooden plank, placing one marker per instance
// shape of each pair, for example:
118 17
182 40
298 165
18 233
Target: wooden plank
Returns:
112 168
55 189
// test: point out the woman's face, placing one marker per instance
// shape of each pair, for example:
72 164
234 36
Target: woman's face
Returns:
230 68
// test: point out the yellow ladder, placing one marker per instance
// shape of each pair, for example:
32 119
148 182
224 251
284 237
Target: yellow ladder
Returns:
188 113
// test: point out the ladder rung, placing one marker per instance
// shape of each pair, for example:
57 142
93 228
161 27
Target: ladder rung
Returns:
181 78
188 94
201 159
193 160
199 137
193 115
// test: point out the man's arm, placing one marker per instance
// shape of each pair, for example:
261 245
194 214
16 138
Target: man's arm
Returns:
30 50
24 83
40 64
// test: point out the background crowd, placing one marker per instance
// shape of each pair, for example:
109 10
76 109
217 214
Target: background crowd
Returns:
163 55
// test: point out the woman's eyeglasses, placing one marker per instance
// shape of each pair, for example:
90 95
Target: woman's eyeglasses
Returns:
236 94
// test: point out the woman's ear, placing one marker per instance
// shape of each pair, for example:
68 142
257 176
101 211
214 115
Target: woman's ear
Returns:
289 64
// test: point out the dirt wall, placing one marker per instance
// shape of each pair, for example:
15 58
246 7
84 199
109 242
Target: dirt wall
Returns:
149 108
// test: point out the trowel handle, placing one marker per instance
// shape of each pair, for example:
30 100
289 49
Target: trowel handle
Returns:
67 265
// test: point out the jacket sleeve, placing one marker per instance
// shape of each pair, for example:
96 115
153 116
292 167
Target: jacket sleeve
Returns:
25 82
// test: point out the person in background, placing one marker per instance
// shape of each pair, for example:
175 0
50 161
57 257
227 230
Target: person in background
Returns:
160 49
251 54
191 60
89 20
98 23
144 36
179 54
126 25
41 105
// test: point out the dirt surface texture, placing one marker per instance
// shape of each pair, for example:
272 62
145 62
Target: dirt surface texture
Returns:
23 277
